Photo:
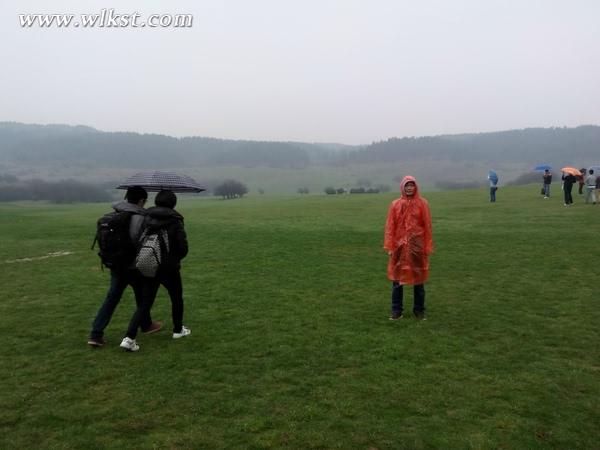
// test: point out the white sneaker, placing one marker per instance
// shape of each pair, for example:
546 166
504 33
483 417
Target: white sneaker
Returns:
129 344
183 333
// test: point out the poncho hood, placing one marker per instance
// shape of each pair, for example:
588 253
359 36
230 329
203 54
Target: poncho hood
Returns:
408 179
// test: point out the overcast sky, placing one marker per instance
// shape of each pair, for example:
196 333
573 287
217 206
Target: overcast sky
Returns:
345 71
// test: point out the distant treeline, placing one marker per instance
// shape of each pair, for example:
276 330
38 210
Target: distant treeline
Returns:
87 147
65 191
563 146
48 145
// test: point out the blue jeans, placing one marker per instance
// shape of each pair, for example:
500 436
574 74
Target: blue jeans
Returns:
119 280
493 190
398 294
546 190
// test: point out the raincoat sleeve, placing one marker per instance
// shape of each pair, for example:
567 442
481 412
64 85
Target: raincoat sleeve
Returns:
390 228
427 231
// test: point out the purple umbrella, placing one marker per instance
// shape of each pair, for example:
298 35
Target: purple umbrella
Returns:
158 181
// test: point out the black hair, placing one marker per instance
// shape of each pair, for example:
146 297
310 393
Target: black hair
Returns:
167 199
135 194
591 171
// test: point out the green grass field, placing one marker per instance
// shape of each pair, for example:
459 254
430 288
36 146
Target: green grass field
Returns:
291 345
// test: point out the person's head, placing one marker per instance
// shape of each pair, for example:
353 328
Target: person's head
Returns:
591 171
408 186
166 199
136 195
546 171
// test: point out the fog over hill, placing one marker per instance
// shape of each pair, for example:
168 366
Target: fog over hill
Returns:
81 152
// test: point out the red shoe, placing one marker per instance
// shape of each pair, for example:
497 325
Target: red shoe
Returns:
153 328
96 342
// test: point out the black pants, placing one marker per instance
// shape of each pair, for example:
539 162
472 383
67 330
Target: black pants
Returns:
568 196
398 294
172 282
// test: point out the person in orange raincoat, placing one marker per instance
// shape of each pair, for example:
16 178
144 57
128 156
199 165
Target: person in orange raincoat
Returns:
408 241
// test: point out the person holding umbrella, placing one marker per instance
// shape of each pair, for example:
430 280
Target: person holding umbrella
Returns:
163 217
569 175
408 241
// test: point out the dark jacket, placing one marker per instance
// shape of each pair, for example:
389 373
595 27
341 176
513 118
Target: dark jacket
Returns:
569 180
170 220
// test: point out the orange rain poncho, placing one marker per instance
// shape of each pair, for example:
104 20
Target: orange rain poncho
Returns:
408 237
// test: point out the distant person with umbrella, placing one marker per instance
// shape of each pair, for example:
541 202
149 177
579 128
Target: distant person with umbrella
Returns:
569 175
408 241
547 182
493 179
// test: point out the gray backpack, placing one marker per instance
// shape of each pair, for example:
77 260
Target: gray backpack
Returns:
153 251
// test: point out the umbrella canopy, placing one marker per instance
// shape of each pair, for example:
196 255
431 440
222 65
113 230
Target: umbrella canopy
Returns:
596 169
542 168
158 181
493 176
571 170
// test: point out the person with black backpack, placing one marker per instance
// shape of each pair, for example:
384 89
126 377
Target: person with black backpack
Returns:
161 248
117 234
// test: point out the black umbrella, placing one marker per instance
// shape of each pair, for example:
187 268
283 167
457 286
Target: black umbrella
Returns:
158 181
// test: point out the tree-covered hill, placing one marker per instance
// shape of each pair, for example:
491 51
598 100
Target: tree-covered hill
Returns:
25 144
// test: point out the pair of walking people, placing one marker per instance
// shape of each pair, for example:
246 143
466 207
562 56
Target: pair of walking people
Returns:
161 217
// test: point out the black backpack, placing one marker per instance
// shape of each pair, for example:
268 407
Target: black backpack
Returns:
116 250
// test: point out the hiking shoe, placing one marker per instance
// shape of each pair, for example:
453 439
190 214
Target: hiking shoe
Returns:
420 316
396 316
96 342
153 328
129 344
183 333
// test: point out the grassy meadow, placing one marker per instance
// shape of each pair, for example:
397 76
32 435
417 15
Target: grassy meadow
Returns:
291 345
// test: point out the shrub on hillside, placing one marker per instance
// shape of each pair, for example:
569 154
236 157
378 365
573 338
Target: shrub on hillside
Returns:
229 189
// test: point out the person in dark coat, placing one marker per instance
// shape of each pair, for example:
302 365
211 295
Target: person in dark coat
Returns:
547 182
568 182
163 217
120 278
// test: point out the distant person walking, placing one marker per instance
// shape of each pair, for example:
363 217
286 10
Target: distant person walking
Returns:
581 179
125 274
163 217
408 241
568 181
590 187
547 182
493 189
